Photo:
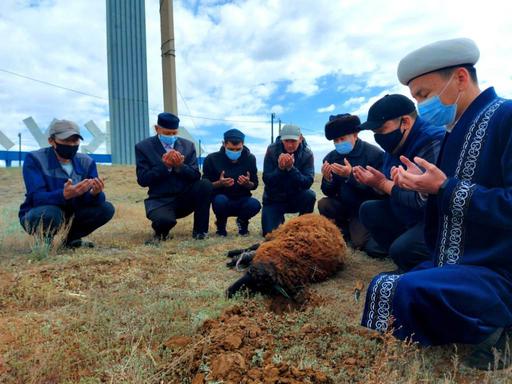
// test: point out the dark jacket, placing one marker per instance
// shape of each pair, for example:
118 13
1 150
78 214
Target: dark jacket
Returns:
44 180
348 190
281 185
217 162
164 184
423 141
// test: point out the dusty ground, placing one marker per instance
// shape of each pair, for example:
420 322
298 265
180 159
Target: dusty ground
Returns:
125 312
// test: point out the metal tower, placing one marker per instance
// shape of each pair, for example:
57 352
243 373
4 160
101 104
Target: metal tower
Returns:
127 77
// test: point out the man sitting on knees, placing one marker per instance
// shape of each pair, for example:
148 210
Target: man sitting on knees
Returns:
167 164
63 186
463 294
288 173
396 223
233 173
344 194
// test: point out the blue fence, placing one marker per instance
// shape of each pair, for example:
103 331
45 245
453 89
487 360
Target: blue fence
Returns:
10 156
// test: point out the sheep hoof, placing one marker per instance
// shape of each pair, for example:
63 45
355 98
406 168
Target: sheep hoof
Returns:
236 252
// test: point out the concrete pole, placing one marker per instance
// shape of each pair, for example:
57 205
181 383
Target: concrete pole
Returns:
168 57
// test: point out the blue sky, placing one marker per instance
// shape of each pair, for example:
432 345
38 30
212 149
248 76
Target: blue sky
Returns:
239 61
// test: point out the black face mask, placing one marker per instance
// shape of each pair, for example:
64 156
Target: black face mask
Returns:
66 151
389 141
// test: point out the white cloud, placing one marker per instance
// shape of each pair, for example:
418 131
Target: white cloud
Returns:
232 56
277 109
354 101
329 108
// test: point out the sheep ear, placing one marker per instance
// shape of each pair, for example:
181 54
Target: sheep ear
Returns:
281 290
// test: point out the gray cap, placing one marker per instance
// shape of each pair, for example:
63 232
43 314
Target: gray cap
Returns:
64 129
436 56
290 132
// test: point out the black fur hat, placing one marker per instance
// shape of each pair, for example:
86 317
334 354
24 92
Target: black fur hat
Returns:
341 125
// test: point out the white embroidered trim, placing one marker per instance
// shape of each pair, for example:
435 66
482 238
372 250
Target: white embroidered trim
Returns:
452 237
381 297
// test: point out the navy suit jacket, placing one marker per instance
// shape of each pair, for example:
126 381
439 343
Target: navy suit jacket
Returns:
165 184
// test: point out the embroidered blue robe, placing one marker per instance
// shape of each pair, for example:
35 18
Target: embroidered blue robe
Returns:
465 292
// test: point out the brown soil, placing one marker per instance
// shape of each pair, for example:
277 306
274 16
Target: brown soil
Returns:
241 345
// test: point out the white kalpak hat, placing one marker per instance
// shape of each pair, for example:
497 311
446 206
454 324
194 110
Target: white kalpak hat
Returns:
436 56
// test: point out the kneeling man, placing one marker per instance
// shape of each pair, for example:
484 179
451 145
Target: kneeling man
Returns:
233 173
464 294
63 186
344 194
167 164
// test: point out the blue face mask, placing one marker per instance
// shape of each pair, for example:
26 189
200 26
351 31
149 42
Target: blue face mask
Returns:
344 147
389 141
435 112
168 139
233 155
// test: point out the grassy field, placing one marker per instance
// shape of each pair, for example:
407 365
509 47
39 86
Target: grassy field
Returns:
128 313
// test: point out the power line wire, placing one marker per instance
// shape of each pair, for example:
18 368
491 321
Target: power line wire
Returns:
51 84
151 109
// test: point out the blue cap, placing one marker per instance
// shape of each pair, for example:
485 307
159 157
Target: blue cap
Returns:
168 120
234 135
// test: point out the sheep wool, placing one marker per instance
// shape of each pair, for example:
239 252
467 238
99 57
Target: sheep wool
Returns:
304 250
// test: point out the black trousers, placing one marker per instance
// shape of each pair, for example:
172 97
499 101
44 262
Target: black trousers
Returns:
196 199
405 245
346 218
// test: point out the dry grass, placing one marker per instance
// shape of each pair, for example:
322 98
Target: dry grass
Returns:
107 314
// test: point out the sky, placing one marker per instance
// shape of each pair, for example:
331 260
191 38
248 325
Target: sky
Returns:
238 61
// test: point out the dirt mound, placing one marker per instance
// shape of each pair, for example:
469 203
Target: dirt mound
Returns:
239 347
305 299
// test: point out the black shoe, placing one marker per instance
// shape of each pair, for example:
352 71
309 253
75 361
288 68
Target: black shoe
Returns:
492 353
79 243
374 250
221 227
200 236
156 240
243 226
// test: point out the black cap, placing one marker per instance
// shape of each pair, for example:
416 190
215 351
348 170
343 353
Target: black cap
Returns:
341 125
234 135
168 120
387 108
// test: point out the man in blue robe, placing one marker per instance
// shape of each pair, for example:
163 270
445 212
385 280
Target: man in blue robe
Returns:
464 295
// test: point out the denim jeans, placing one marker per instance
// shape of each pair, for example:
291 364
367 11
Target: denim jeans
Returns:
242 207
47 219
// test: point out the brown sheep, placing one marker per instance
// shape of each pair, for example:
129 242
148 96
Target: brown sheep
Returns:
304 250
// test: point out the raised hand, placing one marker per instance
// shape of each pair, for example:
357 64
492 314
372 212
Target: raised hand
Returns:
327 171
97 186
245 180
371 177
282 161
342 170
414 179
173 158
291 161
168 159
225 181
71 191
